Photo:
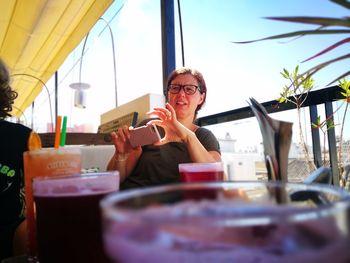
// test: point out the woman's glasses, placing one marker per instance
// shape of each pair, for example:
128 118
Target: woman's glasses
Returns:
188 89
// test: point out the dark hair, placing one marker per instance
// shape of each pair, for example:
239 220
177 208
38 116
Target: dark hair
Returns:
193 72
7 95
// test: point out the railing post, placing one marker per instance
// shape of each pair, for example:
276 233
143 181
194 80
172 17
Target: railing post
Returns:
332 144
315 134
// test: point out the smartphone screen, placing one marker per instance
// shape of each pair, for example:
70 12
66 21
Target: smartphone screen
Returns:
144 135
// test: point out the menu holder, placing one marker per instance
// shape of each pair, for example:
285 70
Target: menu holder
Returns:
277 137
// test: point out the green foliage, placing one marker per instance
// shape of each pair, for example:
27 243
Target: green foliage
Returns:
345 86
324 125
298 85
296 92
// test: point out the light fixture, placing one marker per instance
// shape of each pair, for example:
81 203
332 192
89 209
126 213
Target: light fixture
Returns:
80 87
80 94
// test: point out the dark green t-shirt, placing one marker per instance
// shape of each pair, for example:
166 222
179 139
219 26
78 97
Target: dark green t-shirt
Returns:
159 164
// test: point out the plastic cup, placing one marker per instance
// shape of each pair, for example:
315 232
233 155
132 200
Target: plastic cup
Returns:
68 216
45 162
244 223
198 172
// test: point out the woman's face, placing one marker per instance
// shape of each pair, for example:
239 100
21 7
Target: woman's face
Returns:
184 104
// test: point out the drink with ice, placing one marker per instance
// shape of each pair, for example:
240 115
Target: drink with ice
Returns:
45 162
68 216
245 223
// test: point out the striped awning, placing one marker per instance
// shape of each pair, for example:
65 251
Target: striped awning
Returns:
36 36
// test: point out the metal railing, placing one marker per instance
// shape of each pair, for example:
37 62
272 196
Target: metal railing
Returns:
323 96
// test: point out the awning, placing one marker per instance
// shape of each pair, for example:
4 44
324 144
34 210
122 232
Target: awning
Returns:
37 35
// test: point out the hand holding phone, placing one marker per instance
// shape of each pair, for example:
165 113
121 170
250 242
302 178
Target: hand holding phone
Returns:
144 135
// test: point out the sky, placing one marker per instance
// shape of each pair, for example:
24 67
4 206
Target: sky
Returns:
233 72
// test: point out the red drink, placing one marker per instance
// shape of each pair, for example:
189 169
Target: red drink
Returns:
69 219
201 172
202 176
198 172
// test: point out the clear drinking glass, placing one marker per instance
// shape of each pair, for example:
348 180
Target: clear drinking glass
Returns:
241 222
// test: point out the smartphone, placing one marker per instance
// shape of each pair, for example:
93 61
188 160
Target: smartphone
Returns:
144 135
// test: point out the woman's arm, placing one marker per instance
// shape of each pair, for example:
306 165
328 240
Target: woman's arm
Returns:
197 151
124 163
125 157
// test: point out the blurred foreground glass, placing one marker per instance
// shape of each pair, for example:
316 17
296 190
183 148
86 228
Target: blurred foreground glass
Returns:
197 172
244 223
45 162
68 216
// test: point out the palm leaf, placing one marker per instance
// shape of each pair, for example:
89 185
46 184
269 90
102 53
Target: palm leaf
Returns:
322 21
339 78
317 68
297 33
324 64
328 49
343 3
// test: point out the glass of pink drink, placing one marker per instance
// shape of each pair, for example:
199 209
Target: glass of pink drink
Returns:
197 172
68 216
201 172
246 222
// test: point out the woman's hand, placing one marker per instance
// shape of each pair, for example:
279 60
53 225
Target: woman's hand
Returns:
121 140
174 130
125 156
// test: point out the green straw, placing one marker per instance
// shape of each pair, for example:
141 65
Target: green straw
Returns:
64 131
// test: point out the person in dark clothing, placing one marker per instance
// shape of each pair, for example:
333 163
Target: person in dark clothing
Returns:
182 141
13 142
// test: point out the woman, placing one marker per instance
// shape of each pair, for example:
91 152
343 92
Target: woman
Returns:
183 140
13 141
